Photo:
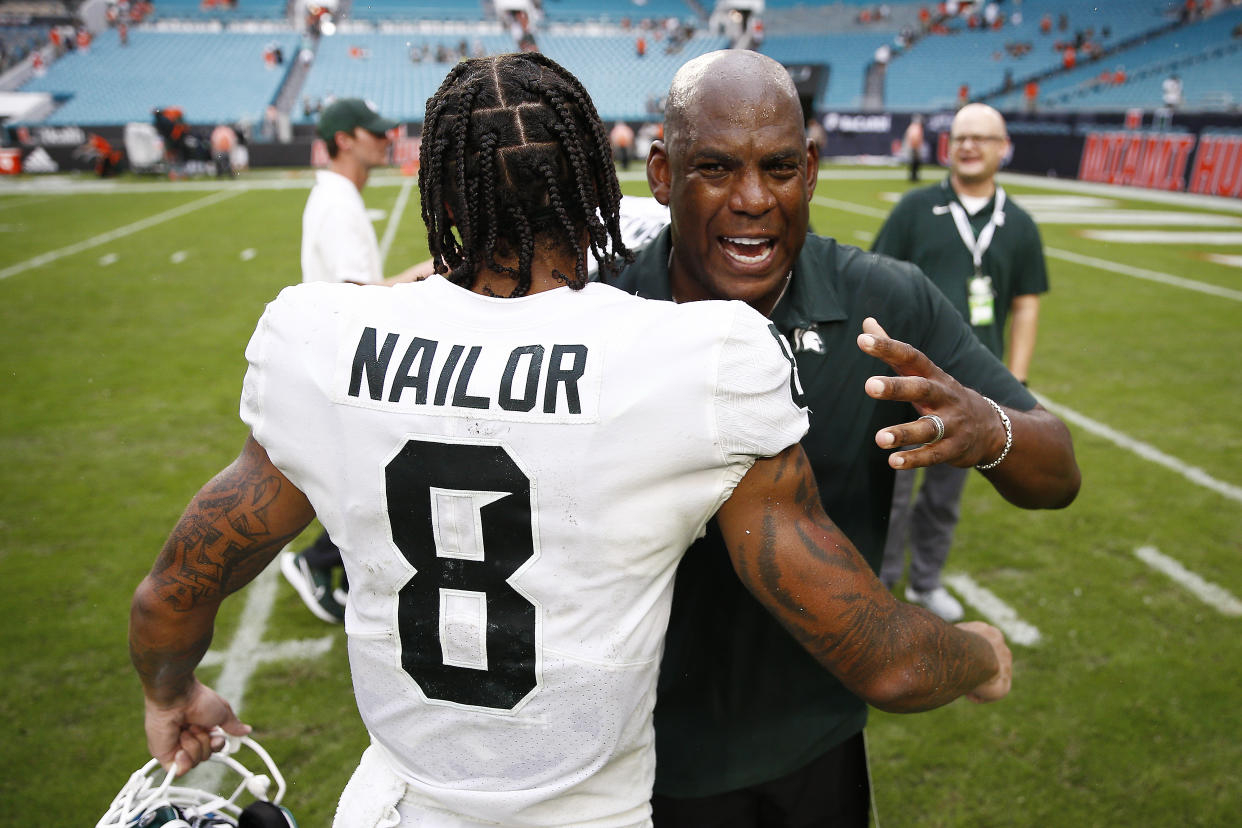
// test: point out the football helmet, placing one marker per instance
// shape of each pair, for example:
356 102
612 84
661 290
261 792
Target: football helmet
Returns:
146 801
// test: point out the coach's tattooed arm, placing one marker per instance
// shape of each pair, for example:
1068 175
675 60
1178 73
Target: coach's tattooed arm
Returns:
231 530
794 559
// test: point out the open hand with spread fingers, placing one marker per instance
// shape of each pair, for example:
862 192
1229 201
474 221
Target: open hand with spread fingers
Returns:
956 425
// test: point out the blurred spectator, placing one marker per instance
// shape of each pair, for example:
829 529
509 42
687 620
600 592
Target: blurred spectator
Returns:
815 131
963 95
1171 91
912 145
1069 58
107 159
223 142
1030 96
622 139
640 46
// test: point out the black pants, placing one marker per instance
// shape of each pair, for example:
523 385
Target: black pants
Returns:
834 791
323 553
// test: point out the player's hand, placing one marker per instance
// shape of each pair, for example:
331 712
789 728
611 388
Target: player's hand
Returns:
997 687
973 433
181 732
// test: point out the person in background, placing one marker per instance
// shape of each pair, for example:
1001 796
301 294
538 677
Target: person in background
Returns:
339 245
621 137
912 143
984 253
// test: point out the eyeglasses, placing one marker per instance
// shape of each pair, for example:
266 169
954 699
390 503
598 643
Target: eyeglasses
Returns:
977 139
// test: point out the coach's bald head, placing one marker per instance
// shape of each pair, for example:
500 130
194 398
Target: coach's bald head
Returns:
755 87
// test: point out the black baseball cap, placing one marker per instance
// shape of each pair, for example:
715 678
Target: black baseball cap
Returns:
347 113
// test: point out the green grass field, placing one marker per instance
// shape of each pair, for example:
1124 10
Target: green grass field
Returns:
124 312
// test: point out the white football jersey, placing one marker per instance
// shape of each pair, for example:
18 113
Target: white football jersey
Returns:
512 483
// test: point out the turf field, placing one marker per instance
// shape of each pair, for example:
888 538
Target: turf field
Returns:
124 312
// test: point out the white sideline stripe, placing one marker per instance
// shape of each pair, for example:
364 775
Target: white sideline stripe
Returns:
1163 237
849 207
1228 261
1223 203
120 232
1191 473
1141 273
246 652
1134 218
996 611
1219 598
394 219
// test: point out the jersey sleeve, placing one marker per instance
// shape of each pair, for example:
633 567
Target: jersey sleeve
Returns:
759 406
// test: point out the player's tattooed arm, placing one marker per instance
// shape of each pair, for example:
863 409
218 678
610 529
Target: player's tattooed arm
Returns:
800 565
230 531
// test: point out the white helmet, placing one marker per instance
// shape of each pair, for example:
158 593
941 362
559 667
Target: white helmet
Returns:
144 803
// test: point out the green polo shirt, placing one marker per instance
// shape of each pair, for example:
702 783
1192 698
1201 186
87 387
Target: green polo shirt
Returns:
739 701
921 230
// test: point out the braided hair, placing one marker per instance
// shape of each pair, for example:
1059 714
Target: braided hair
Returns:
514 155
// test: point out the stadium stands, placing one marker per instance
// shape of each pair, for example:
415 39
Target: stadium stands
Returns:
929 73
847 56
623 86
617 10
209 58
377 67
215 78
411 10
241 10
1205 54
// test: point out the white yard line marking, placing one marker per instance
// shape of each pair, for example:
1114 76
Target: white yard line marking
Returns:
394 219
996 611
120 232
849 207
247 651
1221 203
1216 597
1228 261
1141 273
108 258
1164 237
248 254
1134 218
1191 473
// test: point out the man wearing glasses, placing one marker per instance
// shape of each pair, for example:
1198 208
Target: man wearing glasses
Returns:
984 253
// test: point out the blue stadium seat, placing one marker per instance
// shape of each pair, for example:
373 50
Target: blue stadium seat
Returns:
244 10
412 10
377 67
847 56
214 77
1204 54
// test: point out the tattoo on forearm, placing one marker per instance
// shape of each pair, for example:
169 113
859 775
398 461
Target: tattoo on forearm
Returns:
868 632
221 542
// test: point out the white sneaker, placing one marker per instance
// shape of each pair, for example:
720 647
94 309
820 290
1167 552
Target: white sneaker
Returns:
937 600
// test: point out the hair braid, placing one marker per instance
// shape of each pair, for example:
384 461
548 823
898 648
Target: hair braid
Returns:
515 157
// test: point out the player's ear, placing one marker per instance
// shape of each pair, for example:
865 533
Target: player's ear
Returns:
659 173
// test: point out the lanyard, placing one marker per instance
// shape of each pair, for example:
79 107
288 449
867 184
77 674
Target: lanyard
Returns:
978 247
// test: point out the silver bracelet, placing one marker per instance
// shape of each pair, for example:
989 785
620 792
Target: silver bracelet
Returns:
1008 436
